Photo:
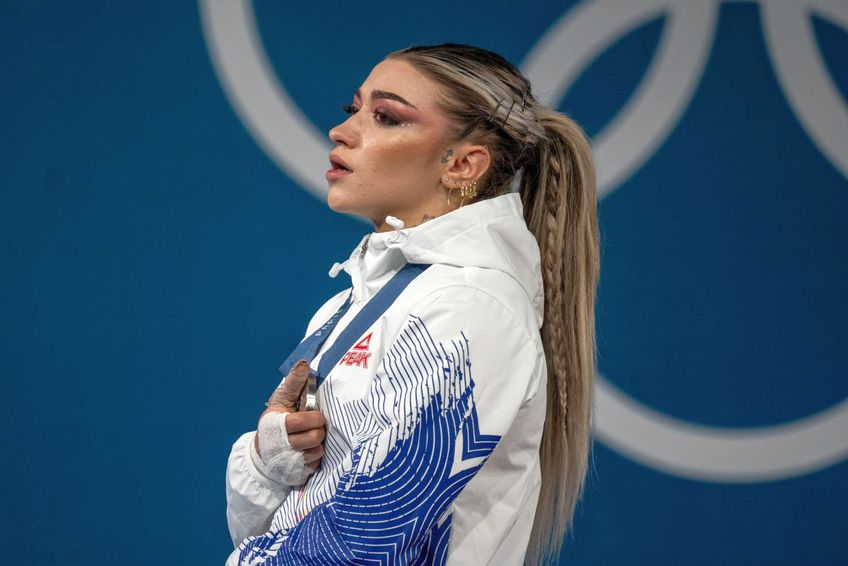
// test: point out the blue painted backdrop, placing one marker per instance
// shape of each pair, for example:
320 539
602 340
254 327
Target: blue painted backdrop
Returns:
157 263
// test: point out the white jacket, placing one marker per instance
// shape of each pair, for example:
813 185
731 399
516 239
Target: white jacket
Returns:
434 418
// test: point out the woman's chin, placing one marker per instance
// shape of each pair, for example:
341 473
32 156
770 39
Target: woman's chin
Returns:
335 200
340 202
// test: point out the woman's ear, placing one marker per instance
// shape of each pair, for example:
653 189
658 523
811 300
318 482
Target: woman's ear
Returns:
470 162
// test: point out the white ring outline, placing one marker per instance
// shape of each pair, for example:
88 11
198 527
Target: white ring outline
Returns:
802 74
717 454
662 95
263 105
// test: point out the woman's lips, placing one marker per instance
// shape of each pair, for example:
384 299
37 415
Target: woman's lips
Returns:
339 168
333 174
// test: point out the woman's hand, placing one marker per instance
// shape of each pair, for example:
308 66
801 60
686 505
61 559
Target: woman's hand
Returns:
305 430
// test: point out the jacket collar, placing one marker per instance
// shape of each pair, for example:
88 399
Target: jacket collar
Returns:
490 234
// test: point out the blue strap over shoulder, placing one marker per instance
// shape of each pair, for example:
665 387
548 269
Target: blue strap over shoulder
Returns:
363 320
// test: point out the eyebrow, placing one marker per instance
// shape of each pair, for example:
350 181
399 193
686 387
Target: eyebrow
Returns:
386 94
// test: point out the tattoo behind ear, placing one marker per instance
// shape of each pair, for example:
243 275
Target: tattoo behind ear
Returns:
447 156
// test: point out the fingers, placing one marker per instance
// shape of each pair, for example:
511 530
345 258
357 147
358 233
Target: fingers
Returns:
288 392
299 422
307 439
313 456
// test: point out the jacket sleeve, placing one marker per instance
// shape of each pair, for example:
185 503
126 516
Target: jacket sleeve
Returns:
252 497
447 389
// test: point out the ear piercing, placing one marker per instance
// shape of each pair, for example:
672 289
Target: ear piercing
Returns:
467 190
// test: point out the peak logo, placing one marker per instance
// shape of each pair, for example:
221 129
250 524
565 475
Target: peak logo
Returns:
359 354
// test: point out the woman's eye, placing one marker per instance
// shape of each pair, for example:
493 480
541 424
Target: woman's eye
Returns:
384 118
380 116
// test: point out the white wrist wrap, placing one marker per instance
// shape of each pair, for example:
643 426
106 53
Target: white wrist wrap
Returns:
277 459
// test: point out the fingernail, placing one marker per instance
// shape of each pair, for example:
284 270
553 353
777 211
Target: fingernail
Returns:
300 369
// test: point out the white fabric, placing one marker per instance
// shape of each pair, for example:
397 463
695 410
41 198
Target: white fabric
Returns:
460 345
276 458
252 498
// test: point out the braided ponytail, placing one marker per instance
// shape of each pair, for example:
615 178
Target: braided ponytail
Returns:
558 194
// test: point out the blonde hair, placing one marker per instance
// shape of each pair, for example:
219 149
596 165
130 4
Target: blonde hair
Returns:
548 155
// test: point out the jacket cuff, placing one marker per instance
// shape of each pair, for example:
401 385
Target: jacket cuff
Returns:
252 499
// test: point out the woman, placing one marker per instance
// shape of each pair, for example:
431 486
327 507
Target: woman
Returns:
455 411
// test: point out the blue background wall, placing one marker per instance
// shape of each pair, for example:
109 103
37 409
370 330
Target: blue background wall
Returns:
157 264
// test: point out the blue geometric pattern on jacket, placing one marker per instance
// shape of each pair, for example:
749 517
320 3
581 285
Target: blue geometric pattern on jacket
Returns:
396 513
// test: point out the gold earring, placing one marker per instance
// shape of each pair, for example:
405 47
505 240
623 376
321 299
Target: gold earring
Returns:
468 190
448 187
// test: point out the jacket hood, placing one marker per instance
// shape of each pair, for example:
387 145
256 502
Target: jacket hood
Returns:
490 234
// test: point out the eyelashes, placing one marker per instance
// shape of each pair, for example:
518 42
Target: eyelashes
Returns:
379 115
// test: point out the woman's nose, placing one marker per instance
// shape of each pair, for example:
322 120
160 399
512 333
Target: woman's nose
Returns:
342 134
